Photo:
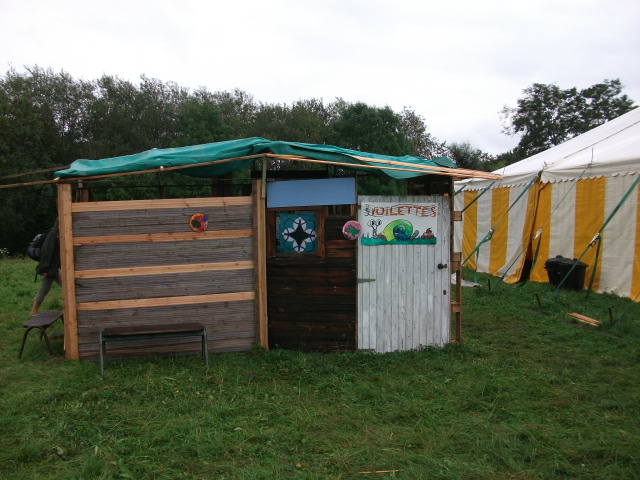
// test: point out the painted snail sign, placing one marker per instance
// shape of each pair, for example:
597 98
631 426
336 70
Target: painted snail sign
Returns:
399 223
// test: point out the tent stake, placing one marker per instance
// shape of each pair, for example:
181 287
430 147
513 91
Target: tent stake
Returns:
539 302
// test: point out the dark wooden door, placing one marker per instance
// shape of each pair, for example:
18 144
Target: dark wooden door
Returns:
311 299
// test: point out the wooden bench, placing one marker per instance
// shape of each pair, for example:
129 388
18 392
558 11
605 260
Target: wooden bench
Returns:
138 332
41 321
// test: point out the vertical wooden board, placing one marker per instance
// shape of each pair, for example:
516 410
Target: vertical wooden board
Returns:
66 265
364 292
260 246
442 290
426 296
402 296
447 222
370 297
417 310
436 255
359 305
409 299
387 322
378 301
394 295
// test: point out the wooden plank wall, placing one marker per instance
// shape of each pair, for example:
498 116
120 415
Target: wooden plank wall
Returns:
139 262
312 300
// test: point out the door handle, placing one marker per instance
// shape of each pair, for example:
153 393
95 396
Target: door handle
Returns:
441 266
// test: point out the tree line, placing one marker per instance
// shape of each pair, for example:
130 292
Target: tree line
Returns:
49 119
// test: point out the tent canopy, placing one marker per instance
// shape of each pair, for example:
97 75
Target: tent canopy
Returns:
608 150
224 157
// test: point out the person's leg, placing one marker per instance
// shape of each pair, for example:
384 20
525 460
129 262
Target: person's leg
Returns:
45 286
36 307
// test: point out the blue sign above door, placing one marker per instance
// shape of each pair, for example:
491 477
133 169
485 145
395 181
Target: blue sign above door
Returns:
310 193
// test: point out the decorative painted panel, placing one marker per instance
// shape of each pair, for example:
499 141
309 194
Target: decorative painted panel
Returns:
296 232
394 223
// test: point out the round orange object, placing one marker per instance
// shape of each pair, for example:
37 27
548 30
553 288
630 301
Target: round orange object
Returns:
199 222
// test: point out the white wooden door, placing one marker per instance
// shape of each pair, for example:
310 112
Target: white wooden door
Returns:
403 288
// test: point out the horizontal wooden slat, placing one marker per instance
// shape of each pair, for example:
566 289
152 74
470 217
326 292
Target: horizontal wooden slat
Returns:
157 286
312 327
149 302
162 237
320 274
310 263
132 255
312 301
218 314
305 345
294 288
157 329
171 220
164 269
309 280
158 204
342 317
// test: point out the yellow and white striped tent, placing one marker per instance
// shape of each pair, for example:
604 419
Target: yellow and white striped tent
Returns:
555 203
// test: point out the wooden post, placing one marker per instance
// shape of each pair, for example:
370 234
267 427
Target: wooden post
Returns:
263 187
82 194
68 273
260 262
456 263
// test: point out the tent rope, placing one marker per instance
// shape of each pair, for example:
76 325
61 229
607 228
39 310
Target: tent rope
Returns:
463 187
489 234
477 197
597 239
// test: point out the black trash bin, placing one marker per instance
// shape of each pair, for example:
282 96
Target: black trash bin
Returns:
558 267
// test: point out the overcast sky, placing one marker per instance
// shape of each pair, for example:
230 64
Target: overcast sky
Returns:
455 63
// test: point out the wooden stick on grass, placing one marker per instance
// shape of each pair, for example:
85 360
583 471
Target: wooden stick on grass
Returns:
379 471
583 319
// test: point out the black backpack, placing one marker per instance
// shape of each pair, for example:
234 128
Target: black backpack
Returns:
34 250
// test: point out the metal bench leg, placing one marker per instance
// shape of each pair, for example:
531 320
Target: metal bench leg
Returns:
43 333
46 337
205 351
24 339
102 354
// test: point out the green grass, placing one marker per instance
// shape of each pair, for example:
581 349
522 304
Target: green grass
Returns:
529 394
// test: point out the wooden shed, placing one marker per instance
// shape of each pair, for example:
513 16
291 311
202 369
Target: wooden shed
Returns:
300 264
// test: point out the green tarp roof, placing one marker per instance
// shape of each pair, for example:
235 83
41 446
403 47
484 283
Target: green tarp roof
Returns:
227 157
